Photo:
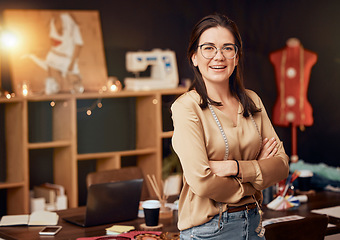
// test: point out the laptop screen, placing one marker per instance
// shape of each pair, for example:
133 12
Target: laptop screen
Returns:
112 202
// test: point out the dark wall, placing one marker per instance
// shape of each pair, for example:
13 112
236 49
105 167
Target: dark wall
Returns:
265 26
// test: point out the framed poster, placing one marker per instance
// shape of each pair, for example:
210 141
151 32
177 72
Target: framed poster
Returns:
64 47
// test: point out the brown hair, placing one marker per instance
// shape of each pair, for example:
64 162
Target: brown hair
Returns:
236 79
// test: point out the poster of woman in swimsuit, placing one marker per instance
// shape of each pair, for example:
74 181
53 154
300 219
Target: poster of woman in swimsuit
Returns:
58 52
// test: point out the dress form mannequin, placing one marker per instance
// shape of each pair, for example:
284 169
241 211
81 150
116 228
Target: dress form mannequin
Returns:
292 66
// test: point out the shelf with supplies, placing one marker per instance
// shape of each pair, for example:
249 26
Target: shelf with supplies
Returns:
22 120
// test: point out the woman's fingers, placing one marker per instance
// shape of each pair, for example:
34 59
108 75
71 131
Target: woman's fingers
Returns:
273 152
268 148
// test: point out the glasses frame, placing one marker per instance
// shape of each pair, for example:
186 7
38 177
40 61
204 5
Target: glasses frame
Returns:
217 49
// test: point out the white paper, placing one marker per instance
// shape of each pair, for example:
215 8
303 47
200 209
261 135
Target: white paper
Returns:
331 211
43 218
281 219
35 219
13 220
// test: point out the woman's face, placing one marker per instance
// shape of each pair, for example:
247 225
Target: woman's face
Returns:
217 69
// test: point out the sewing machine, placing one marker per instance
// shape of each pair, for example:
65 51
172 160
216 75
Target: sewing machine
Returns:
164 73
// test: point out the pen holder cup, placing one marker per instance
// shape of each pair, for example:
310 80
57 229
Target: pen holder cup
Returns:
282 187
165 212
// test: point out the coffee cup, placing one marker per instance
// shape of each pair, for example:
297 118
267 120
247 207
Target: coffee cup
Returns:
151 212
304 180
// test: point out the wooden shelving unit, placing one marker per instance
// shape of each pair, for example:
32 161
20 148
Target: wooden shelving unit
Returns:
149 136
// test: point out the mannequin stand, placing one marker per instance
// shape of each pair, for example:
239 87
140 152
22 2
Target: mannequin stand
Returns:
294 157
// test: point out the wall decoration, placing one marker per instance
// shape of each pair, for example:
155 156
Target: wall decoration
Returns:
59 50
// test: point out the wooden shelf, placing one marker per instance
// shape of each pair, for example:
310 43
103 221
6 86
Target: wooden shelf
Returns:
102 155
148 152
11 100
94 95
54 144
8 185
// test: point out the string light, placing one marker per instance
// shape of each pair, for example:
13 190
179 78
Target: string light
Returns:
24 89
88 110
113 88
53 103
113 85
7 94
94 105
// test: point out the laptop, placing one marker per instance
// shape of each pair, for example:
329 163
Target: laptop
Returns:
109 203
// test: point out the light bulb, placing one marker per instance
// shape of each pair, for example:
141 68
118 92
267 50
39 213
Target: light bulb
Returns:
113 88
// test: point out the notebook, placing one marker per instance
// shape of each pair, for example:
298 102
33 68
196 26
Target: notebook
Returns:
109 203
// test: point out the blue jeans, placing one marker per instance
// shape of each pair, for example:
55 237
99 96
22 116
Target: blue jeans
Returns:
233 226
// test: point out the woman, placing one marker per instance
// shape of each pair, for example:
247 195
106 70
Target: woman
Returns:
224 139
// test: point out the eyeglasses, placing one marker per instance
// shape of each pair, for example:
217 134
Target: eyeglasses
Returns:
209 51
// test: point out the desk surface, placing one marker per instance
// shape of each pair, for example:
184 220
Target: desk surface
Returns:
70 231
318 200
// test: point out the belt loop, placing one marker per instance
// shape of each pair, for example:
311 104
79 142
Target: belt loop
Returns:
247 208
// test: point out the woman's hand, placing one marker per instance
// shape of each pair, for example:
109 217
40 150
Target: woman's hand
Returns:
225 168
269 148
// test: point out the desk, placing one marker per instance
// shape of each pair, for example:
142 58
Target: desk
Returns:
70 231
317 201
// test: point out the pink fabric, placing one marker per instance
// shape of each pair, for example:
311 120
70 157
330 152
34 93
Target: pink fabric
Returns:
131 235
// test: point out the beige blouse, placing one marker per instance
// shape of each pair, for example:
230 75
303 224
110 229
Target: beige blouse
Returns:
197 139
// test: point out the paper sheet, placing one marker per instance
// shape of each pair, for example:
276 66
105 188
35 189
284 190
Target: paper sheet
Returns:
43 218
120 228
331 211
14 220
281 219
35 219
